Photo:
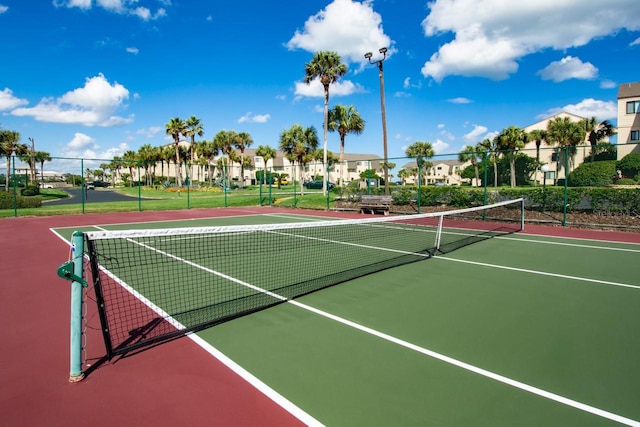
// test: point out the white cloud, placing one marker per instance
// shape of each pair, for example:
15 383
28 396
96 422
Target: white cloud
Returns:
567 68
8 101
489 36
81 4
85 147
603 110
150 132
133 50
91 105
3 8
350 28
460 100
477 134
81 145
121 7
440 147
256 118
607 84
635 42
315 89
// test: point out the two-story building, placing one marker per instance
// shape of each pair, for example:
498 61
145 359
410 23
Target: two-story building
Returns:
628 119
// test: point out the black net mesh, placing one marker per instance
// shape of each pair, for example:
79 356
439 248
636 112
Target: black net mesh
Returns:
152 285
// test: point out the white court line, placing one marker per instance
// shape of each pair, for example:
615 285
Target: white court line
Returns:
455 362
575 245
492 375
542 273
233 366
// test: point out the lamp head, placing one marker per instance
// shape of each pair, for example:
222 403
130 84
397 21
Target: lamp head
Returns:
544 168
368 55
383 50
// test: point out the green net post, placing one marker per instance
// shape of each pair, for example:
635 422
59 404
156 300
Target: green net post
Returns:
139 190
485 161
83 184
295 192
566 182
188 186
224 181
75 372
260 182
270 182
419 188
15 186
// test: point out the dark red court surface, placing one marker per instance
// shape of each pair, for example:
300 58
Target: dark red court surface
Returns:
173 384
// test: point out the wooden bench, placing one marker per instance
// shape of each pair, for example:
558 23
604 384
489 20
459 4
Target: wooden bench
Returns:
374 204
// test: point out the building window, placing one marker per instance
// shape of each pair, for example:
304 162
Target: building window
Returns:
635 135
633 107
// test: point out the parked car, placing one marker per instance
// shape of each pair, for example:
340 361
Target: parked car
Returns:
91 186
284 181
317 184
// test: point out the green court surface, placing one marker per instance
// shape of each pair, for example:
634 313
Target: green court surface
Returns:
520 330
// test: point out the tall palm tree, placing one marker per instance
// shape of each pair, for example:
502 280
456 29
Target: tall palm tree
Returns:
28 157
41 157
130 161
510 141
490 146
207 150
241 142
326 67
473 154
9 144
167 154
224 141
538 136
267 153
114 167
403 174
193 128
298 144
597 132
146 157
318 156
422 151
345 120
566 134
175 128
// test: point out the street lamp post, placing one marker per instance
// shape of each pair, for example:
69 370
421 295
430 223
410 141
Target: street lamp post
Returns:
379 62
544 169
33 165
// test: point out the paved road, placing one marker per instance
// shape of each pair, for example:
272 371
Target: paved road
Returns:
91 196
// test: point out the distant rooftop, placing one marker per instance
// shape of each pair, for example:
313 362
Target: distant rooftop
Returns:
629 90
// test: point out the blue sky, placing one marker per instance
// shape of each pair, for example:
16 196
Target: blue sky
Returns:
94 78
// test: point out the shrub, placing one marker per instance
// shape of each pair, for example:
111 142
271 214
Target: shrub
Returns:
626 181
595 174
7 201
30 190
629 165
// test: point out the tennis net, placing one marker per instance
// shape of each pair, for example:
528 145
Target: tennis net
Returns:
152 285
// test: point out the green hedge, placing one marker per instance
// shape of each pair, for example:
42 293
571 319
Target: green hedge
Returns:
7 201
599 200
594 174
629 165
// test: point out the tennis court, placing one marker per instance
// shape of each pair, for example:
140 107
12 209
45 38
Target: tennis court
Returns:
516 329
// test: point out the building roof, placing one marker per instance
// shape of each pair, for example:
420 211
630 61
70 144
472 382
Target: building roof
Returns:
542 124
629 90
434 163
